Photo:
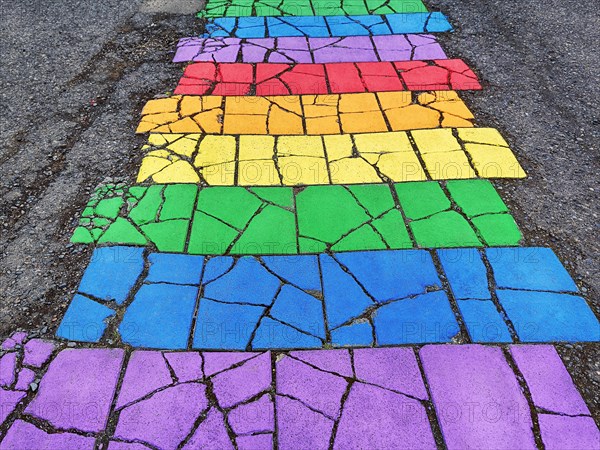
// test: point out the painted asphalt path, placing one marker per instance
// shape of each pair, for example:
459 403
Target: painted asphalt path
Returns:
263 274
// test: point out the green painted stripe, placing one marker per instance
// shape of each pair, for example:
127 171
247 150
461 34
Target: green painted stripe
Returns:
284 220
247 8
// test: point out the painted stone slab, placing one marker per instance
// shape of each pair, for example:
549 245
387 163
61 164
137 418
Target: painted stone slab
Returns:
264 79
300 49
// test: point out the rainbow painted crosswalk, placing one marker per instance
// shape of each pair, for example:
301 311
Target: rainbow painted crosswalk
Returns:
316 254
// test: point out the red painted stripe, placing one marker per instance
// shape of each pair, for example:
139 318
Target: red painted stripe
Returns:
334 78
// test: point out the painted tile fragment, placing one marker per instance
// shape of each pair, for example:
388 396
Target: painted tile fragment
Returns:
560 432
394 322
238 221
243 382
490 154
15 340
255 441
388 291
475 377
549 383
8 369
301 381
170 309
25 378
550 316
241 8
483 205
298 49
298 423
355 217
484 322
65 402
238 79
466 273
530 268
211 432
262 412
564 418
9 401
216 362
335 361
213 331
389 424
37 352
540 297
308 114
22 434
147 372
327 26
164 419
381 368
299 160
154 214
176 269
21 359
123 266
435 224
185 366
86 319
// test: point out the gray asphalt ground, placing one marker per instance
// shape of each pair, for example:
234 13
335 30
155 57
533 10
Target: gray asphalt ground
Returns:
76 74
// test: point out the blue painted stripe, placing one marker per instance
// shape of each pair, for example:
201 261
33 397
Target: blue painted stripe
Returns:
373 298
327 26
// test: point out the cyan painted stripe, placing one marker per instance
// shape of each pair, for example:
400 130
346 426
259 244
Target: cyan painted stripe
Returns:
327 26
374 298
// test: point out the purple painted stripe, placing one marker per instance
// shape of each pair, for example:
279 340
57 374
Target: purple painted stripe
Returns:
401 47
373 398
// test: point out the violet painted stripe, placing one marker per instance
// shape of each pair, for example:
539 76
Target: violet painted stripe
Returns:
363 398
400 47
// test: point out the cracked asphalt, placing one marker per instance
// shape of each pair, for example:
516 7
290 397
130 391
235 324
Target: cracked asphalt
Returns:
75 76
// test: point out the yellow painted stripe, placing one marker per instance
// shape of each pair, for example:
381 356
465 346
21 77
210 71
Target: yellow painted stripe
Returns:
250 160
